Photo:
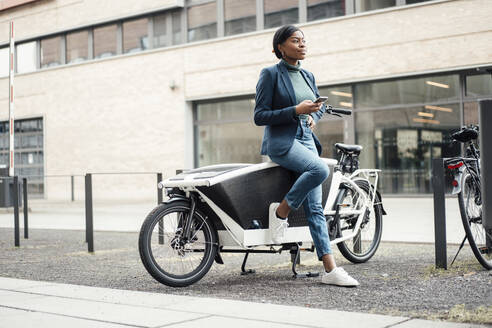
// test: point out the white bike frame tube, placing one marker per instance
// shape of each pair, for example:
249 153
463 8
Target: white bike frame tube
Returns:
360 212
236 231
332 194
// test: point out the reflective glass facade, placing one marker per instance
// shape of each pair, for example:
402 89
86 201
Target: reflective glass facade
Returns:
401 123
29 151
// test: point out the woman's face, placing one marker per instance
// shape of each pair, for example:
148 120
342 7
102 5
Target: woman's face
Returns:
294 47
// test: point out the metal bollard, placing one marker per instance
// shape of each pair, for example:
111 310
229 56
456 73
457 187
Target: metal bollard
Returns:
26 208
485 120
159 201
72 187
159 190
439 213
89 229
16 211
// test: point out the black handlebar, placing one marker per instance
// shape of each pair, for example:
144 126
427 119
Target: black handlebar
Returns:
342 111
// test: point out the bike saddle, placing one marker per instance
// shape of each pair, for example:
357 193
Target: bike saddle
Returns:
350 149
465 135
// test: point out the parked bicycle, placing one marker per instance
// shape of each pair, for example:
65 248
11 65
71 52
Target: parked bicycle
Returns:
224 208
466 183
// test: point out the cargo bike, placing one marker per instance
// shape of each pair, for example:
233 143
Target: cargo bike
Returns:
224 208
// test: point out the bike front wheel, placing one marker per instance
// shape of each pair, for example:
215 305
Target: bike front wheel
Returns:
363 245
470 201
169 255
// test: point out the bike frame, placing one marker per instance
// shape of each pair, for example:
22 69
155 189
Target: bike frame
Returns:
234 236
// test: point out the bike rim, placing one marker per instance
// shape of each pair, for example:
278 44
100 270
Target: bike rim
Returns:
171 255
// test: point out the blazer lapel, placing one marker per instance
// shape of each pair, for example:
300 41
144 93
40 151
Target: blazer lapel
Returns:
308 80
288 83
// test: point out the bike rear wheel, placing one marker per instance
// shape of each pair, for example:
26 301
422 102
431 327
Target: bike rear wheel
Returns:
470 201
364 244
167 254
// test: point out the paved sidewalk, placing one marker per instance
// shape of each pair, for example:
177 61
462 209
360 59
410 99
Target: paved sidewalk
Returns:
26 303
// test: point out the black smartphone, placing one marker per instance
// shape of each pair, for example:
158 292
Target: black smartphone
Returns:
321 100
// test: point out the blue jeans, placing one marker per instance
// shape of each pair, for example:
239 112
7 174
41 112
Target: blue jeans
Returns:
311 170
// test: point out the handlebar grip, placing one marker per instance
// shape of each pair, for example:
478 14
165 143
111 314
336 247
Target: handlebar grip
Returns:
341 111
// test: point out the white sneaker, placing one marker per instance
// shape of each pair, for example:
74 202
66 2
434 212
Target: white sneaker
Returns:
277 226
339 277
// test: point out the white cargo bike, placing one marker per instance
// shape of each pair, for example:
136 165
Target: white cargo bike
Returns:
224 208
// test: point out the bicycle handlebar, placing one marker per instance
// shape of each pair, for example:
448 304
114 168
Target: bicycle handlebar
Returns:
342 111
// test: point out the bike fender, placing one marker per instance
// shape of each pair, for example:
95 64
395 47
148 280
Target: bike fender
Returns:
381 199
379 195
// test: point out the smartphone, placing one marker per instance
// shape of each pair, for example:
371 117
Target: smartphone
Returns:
321 100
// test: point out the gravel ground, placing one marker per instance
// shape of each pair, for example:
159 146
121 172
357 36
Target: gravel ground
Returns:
399 280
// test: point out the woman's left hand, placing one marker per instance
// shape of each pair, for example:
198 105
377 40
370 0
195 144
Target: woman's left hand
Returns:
311 122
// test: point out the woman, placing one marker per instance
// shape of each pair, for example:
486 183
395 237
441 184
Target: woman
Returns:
285 96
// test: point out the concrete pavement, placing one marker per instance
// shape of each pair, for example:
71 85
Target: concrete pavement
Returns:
27 303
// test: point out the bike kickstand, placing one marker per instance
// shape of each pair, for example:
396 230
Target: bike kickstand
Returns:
459 249
243 266
294 263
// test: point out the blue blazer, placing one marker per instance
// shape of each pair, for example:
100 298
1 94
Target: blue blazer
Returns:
275 108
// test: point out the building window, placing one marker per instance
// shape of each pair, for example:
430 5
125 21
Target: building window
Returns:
470 113
26 57
135 35
479 85
51 52
339 96
476 86
279 13
330 129
202 22
105 41
160 31
167 29
5 60
420 90
177 37
321 9
216 132
77 47
29 154
367 5
404 124
240 16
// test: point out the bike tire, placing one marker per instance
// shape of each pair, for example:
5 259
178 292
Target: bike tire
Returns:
147 245
474 229
348 250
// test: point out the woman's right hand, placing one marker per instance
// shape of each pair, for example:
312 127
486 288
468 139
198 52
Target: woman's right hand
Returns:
308 107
